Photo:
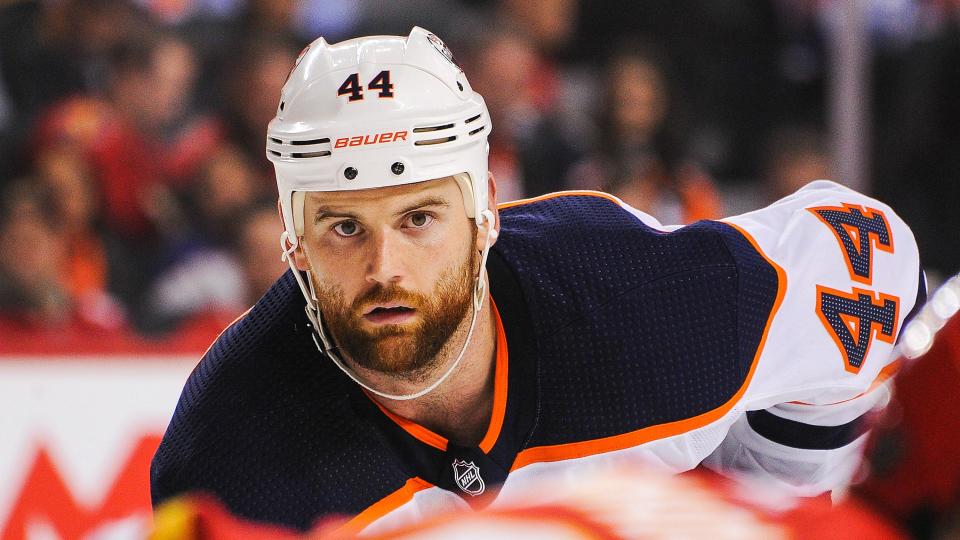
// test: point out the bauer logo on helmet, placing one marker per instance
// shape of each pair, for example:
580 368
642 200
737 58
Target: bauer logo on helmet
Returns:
377 138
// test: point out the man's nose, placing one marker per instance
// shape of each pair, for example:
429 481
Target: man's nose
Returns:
385 259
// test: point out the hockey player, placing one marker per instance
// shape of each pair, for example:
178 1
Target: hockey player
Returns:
435 370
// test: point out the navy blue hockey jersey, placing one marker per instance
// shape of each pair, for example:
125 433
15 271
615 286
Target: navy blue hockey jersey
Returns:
750 344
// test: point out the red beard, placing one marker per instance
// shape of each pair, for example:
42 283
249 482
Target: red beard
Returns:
409 349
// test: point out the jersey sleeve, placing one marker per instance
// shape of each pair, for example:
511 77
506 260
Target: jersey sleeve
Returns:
850 277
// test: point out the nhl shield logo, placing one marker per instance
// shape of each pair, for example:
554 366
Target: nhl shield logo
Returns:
468 477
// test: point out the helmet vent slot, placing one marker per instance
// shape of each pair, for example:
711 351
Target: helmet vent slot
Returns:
435 141
283 147
310 154
471 119
311 141
432 128
478 130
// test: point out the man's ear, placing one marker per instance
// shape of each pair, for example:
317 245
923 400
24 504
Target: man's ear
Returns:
492 207
492 201
300 257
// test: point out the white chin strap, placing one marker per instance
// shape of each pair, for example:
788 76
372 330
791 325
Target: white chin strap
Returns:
329 348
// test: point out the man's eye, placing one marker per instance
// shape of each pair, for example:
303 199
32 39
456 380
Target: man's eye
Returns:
420 220
346 228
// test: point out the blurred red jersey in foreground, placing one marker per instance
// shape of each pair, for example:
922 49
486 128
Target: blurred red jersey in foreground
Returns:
626 503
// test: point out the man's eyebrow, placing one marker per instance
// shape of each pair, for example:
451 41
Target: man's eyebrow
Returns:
324 212
430 200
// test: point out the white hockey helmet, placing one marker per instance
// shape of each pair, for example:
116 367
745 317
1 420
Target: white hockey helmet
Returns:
376 112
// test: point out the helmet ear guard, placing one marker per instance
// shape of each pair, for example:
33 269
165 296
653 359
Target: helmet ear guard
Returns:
298 202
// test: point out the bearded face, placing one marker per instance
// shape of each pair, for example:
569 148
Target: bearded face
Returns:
393 269
411 329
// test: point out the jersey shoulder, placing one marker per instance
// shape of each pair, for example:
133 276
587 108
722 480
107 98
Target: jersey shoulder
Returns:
852 276
268 427
637 324
577 251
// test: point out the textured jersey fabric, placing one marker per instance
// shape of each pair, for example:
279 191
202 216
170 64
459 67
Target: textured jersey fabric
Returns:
270 428
635 327
614 327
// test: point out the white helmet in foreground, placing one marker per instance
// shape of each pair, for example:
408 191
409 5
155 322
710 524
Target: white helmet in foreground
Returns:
377 112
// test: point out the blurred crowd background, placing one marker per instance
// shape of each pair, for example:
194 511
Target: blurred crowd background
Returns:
136 203
136 196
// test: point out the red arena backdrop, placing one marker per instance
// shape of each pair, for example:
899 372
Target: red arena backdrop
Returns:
81 419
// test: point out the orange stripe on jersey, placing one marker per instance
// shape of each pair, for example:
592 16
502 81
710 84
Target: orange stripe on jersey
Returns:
419 432
499 385
385 505
585 192
560 452
885 374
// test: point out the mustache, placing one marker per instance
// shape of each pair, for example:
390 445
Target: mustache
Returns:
380 294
